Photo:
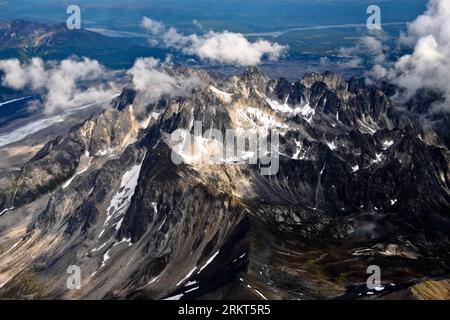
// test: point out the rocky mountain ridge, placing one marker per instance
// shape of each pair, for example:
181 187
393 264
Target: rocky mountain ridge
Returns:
360 183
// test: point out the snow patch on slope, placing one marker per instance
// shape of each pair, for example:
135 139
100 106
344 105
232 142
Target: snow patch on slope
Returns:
387 144
187 276
224 96
122 199
260 120
84 159
208 262
305 111
331 145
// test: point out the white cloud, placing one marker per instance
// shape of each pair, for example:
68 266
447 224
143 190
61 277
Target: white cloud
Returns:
375 48
153 26
370 47
18 76
221 47
60 83
428 66
234 48
74 83
151 80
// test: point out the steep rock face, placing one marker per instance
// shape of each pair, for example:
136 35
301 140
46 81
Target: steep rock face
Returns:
359 183
59 160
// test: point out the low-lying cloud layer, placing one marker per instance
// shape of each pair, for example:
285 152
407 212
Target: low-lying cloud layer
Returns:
60 84
221 47
370 46
74 83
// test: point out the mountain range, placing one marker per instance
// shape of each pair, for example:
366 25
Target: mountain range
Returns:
361 182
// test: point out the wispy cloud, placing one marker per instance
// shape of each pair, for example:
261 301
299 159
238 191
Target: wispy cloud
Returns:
151 80
368 48
60 84
153 26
